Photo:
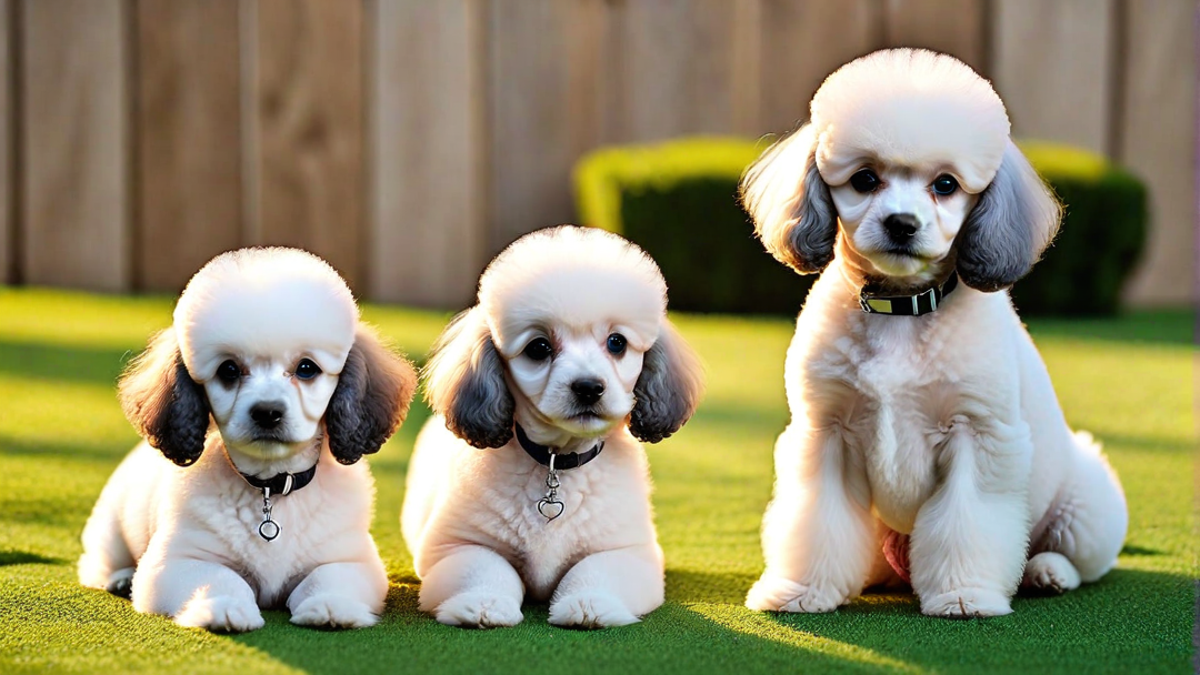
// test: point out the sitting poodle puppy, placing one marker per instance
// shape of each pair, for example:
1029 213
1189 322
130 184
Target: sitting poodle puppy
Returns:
925 431
269 507
567 358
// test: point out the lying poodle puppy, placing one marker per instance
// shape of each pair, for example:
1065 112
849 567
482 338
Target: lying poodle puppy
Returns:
925 431
270 507
567 358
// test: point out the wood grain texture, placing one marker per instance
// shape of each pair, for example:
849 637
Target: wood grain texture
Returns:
307 112
802 43
75 182
1158 142
188 121
675 61
955 27
1051 66
546 102
428 234
8 270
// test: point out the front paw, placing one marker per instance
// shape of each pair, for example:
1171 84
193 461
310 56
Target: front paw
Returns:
221 613
967 603
590 609
776 594
333 611
479 610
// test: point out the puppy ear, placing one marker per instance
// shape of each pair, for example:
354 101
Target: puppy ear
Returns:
668 388
163 402
371 399
464 382
1015 220
793 214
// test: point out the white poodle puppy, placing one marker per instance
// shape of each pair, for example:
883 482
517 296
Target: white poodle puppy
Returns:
925 431
272 507
567 358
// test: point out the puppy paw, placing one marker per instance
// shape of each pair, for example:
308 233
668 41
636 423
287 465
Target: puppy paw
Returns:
221 614
590 609
967 603
776 594
1050 573
333 611
479 610
120 583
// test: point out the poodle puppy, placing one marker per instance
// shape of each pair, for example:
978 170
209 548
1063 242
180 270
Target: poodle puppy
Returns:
567 358
925 439
261 398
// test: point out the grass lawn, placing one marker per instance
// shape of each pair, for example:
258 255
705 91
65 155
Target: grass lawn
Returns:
1127 380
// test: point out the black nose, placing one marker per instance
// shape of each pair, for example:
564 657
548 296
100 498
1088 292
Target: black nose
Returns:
901 226
587 391
267 415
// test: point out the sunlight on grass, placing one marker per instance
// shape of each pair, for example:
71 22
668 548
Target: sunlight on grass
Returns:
760 625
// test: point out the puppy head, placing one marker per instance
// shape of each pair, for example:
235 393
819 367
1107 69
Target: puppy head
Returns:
570 339
268 342
909 151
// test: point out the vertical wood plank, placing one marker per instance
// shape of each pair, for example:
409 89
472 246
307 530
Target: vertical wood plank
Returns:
802 43
545 100
428 236
189 168
747 67
1158 139
955 27
75 183
307 108
7 254
1051 67
676 68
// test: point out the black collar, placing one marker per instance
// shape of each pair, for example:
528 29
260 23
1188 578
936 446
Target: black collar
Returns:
924 302
541 453
282 483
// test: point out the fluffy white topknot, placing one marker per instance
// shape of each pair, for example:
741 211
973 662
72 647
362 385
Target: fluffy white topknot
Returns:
909 107
265 302
574 276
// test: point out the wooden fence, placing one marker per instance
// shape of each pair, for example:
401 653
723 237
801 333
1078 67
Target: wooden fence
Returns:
408 140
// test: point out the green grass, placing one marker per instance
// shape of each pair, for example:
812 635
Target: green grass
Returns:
1128 380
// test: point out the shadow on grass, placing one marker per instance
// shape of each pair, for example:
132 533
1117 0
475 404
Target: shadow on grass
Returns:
1131 619
1175 327
11 557
62 363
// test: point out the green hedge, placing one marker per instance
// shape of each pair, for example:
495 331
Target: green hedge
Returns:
678 200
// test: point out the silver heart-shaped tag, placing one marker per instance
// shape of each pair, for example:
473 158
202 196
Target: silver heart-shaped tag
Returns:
550 509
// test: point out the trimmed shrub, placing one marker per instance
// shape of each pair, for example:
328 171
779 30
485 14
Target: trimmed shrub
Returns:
1102 236
678 201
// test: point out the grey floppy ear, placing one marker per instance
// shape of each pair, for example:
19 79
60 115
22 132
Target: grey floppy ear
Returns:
668 389
464 382
372 397
1004 235
162 401
793 213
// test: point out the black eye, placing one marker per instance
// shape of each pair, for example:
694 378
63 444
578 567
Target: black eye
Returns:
864 181
944 185
307 370
539 349
616 344
228 371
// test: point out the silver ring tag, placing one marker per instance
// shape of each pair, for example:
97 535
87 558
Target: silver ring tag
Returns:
268 530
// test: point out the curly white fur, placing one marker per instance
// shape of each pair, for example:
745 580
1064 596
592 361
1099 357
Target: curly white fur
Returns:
945 426
182 530
470 514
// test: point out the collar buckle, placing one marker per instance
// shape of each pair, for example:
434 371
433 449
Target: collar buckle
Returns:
919 304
